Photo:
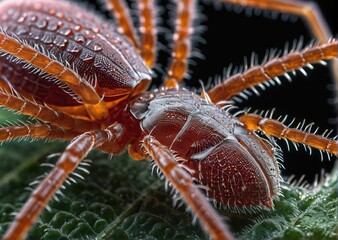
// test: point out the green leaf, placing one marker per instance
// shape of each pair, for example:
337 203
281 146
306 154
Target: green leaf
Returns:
120 199
301 213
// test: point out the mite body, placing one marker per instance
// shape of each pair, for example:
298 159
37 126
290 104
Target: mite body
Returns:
238 168
86 80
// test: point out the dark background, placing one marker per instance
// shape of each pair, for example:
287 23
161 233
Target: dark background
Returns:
231 36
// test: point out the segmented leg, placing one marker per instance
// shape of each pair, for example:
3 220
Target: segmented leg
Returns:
65 165
95 106
182 182
308 10
277 129
272 69
43 131
122 17
5 87
44 113
148 31
182 43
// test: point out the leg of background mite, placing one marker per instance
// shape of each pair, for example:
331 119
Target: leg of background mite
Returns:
272 69
254 122
182 182
148 31
65 165
122 16
95 106
308 10
181 42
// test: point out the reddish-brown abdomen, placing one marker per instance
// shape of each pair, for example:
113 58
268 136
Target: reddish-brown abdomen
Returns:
237 168
76 38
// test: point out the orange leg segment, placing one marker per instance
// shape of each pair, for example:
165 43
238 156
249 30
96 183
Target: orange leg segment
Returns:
96 108
5 87
277 129
182 43
43 131
65 165
182 182
271 69
44 113
122 16
148 31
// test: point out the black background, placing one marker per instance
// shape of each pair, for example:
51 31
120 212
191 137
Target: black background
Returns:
231 36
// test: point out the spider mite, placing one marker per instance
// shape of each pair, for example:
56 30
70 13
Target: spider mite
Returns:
86 80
